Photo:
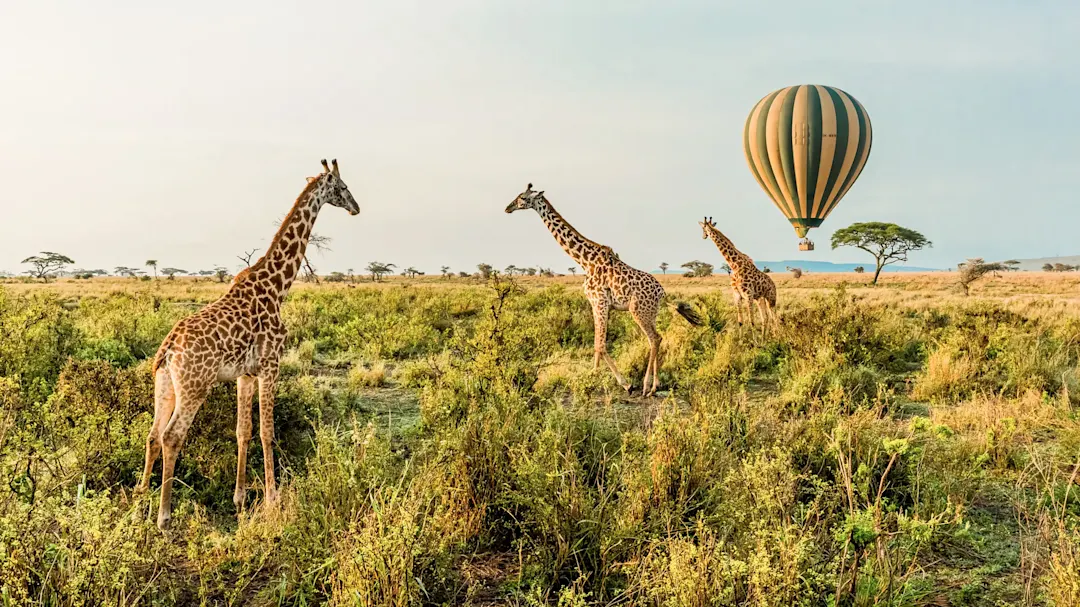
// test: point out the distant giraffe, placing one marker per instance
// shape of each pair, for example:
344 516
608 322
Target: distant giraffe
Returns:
747 281
240 336
609 284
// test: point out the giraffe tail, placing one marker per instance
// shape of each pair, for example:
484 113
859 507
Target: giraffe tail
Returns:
689 313
159 358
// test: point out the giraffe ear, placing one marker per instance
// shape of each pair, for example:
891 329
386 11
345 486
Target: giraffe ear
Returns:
540 193
310 179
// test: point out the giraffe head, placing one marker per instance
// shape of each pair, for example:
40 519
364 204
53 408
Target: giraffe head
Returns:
529 199
707 227
332 190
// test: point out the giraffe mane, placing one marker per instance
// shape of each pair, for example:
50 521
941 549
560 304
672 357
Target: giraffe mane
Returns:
583 237
311 185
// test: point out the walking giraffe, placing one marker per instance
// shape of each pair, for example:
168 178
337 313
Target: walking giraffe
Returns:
747 281
610 284
240 336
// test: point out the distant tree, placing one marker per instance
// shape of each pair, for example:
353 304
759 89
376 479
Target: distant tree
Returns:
1048 267
887 242
47 264
129 272
698 269
529 271
1011 265
172 272
152 264
463 274
766 270
336 277
547 273
725 267
349 274
975 268
446 272
221 274
377 269
511 270
411 272
859 269
572 270
206 272
485 270
796 272
664 266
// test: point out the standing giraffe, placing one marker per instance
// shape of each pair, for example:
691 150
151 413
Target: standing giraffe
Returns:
747 281
609 284
240 336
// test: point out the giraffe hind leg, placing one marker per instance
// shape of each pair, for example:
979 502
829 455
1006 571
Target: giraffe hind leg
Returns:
647 323
164 402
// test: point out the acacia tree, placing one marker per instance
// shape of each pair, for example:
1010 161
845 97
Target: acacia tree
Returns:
152 264
377 269
172 272
47 264
664 266
485 270
572 270
698 269
975 268
725 267
446 273
887 242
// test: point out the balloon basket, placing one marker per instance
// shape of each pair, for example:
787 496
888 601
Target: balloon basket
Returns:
806 245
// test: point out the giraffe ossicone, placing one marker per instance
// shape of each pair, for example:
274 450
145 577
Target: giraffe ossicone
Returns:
240 336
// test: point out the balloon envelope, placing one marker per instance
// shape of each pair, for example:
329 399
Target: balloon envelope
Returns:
806 146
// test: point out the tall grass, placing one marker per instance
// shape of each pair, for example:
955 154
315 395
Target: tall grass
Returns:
452 444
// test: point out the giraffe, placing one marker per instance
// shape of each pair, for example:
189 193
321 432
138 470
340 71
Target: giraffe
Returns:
747 281
610 284
240 336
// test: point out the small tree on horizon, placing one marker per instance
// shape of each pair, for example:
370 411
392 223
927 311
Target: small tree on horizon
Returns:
796 272
378 269
572 270
152 264
47 264
698 269
446 272
726 267
975 268
664 266
887 242
172 272
485 270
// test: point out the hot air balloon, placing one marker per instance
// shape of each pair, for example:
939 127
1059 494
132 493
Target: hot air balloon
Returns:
806 146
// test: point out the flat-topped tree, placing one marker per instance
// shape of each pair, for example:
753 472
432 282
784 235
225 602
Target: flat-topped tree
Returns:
47 264
610 284
238 337
887 242
172 272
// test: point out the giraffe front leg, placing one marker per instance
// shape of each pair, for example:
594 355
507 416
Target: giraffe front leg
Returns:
267 384
245 392
600 318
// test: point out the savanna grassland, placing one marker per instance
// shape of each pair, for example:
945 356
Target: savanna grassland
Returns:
448 442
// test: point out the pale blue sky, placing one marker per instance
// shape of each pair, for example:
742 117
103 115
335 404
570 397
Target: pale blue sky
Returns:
183 132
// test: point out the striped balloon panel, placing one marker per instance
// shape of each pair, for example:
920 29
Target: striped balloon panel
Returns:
806 145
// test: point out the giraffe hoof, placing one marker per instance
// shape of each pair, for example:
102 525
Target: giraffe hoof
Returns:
164 521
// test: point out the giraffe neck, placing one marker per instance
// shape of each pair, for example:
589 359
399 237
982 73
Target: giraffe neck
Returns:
732 255
286 252
586 253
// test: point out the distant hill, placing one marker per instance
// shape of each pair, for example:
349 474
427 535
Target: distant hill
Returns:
822 267
1037 264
